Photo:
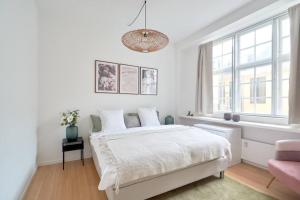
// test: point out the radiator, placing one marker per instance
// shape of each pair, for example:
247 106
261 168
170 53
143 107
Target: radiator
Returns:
257 152
232 134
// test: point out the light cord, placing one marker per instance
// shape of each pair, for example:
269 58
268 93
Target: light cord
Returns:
134 20
145 14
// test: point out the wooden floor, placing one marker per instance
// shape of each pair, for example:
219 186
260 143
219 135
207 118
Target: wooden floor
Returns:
80 183
258 178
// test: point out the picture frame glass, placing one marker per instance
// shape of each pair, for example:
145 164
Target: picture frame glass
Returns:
129 79
106 77
148 83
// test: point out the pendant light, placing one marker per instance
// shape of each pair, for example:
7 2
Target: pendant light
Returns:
144 40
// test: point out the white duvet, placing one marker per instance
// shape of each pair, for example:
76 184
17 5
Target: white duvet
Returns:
132 154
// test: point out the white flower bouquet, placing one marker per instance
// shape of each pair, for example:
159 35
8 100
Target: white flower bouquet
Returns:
69 118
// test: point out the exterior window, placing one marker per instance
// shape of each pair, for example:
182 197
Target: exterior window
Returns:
255 90
222 75
255 45
258 90
283 62
251 70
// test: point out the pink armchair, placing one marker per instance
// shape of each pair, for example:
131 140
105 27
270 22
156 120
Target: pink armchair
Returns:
286 166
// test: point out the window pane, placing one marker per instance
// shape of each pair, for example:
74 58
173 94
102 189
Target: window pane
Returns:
285 46
264 71
215 98
247 56
216 79
222 91
247 40
263 51
285 70
283 106
245 90
215 107
269 89
227 91
222 54
215 92
227 61
285 27
247 106
217 50
222 103
256 92
261 89
264 34
227 46
227 104
263 105
227 78
246 75
252 90
217 63
285 88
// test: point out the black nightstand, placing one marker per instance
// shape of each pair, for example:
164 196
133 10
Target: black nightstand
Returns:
72 145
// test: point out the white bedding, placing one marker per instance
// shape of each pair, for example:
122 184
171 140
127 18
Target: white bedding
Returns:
136 153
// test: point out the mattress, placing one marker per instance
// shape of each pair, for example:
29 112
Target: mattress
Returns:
119 164
98 169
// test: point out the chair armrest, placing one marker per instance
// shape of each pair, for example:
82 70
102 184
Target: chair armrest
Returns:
287 145
288 156
288 150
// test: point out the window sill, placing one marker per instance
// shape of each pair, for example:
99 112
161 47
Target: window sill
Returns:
258 118
284 128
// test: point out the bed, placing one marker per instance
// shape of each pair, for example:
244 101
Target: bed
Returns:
139 163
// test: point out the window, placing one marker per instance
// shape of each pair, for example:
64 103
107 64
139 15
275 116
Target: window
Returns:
222 75
283 61
259 90
251 70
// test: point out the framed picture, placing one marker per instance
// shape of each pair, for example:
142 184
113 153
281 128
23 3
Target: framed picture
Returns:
148 83
129 79
106 77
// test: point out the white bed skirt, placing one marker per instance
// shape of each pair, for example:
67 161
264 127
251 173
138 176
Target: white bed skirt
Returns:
147 188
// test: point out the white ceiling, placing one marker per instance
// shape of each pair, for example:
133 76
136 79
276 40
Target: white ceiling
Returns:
178 18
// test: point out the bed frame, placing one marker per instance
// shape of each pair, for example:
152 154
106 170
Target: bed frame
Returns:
153 186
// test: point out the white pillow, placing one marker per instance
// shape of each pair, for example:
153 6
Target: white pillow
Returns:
112 120
148 117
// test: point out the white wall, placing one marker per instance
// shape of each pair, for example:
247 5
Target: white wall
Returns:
18 97
72 35
187 60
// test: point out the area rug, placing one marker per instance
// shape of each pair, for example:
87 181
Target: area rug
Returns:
213 188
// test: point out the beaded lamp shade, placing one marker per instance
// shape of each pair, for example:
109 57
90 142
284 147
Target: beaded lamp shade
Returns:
145 40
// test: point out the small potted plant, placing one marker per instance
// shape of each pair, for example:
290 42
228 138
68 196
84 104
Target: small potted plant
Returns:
70 120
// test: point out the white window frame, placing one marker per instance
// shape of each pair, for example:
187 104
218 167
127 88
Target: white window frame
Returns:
227 69
274 61
280 59
254 65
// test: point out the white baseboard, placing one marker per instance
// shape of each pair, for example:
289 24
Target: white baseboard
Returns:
32 173
52 162
254 164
